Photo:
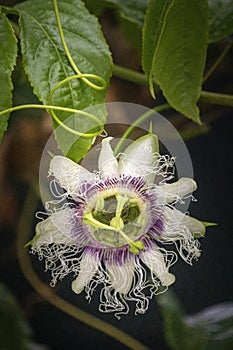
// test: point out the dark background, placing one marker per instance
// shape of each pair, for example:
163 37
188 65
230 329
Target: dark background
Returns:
209 281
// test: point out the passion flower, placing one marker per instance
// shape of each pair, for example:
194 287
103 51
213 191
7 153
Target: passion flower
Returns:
116 225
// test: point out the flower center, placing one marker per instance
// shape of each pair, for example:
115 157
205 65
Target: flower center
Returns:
117 219
112 207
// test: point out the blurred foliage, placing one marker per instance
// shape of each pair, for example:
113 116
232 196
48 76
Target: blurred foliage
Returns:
220 19
15 332
210 329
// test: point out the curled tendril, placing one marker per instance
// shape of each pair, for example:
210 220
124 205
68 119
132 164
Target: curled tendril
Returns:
87 78
83 76
91 116
64 109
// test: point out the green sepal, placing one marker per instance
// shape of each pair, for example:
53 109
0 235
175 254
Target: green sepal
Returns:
208 224
141 140
205 224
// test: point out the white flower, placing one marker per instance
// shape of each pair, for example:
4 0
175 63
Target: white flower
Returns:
116 224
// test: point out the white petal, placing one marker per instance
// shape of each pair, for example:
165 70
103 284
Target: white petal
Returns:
154 260
107 163
139 158
69 174
121 276
55 229
88 267
179 189
173 219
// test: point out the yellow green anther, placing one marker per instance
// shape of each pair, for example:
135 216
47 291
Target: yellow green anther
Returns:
139 244
133 250
136 246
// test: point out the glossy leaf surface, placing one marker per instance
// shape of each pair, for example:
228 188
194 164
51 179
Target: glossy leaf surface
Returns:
175 38
8 48
46 64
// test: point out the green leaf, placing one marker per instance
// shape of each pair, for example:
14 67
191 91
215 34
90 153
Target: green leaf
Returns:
210 329
179 334
132 10
152 32
175 38
46 64
8 48
220 19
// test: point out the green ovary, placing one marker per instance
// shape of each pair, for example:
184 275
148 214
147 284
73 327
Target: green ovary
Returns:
117 220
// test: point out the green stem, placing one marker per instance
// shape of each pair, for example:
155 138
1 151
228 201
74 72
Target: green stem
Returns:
205 96
218 61
194 131
137 122
129 74
216 98
23 231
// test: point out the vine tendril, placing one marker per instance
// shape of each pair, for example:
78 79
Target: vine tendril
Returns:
64 109
78 75
72 63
